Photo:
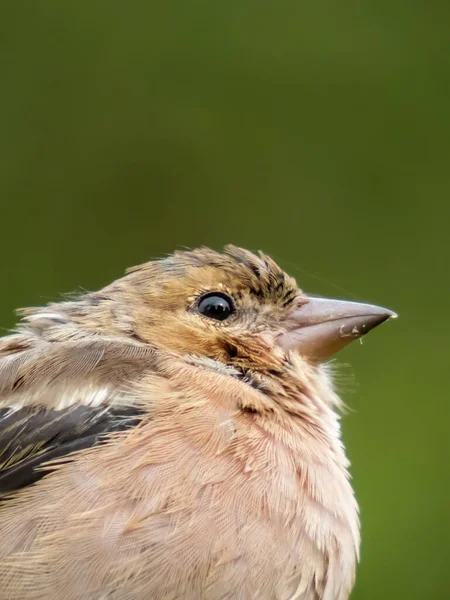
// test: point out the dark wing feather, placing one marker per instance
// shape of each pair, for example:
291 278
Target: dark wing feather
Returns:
34 435
56 398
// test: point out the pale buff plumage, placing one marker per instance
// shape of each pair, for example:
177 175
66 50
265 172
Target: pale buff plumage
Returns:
232 484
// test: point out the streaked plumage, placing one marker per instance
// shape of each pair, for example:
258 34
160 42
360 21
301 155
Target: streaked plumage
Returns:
208 459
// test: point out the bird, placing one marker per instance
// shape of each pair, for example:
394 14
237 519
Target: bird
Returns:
176 435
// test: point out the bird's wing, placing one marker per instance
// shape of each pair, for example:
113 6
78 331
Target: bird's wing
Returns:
58 397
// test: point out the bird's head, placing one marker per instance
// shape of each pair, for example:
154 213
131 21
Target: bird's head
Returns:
234 307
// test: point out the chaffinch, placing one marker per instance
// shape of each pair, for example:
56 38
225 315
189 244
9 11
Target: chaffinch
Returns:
176 435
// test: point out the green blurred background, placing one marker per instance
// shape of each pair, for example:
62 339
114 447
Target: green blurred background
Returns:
318 132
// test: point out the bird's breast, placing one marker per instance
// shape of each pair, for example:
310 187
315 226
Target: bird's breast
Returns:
200 503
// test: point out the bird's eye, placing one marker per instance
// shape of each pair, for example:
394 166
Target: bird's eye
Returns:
216 306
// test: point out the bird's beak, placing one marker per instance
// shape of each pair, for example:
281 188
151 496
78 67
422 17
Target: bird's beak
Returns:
319 327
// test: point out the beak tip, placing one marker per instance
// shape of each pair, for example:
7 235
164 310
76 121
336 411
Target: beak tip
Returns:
382 315
387 314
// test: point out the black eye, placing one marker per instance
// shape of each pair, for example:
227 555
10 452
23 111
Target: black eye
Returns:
216 306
